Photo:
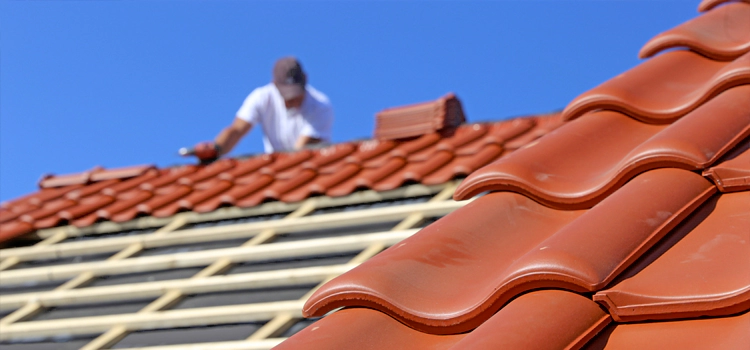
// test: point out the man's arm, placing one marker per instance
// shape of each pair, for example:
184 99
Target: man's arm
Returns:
228 138
304 140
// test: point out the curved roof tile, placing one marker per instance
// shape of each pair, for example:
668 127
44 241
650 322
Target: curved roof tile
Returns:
664 88
590 157
734 174
721 34
453 275
706 5
694 277
713 333
564 320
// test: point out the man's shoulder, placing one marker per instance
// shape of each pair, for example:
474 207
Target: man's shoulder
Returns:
265 90
317 96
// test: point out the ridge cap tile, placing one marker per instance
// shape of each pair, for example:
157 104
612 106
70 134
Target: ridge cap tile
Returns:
663 88
471 267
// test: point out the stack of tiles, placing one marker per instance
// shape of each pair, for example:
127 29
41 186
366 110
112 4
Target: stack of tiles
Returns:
418 119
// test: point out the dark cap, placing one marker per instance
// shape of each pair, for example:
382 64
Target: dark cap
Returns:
289 77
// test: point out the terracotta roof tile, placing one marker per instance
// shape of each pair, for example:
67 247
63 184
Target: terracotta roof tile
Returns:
663 88
721 34
733 174
97 174
367 330
694 276
564 320
419 119
706 5
127 193
610 203
592 156
470 271
714 333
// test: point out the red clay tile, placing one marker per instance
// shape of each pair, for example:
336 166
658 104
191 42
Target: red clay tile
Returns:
97 174
90 189
545 319
564 320
381 167
337 170
120 173
465 165
131 183
173 194
302 174
734 174
705 273
254 182
171 175
455 273
49 181
364 329
419 119
721 34
14 229
50 209
119 208
706 5
542 125
85 207
714 333
663 88
580 163
425 162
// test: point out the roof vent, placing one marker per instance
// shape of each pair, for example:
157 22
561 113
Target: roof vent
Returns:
419 119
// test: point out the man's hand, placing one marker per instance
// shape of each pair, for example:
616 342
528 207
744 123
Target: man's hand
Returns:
207 151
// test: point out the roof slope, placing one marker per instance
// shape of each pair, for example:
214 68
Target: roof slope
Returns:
636 209
124 194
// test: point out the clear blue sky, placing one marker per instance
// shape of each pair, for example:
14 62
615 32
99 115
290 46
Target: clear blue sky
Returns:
117 83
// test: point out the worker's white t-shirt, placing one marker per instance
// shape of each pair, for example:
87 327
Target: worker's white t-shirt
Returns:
281 126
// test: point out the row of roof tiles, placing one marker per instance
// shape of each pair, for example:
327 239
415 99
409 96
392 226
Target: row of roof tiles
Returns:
127 193
604 222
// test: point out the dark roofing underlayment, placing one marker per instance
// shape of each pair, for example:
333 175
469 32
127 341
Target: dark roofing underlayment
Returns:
626 227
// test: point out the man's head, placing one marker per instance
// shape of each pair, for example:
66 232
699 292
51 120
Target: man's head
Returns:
289 78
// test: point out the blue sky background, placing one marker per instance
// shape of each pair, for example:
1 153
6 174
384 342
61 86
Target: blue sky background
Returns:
118 83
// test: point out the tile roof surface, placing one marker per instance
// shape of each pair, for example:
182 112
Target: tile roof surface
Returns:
626 227
127 193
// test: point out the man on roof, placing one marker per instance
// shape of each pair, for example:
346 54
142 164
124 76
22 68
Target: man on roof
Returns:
292 114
